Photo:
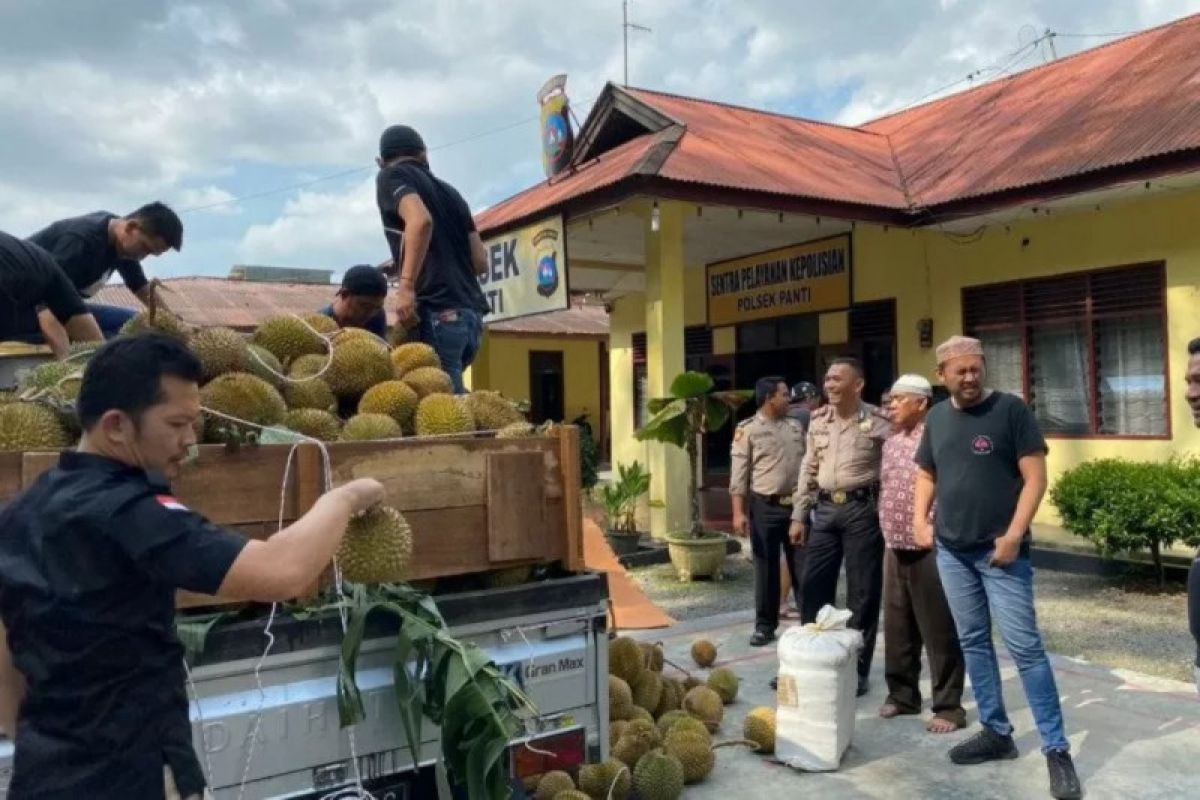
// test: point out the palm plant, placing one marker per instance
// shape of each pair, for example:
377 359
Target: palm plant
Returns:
693 408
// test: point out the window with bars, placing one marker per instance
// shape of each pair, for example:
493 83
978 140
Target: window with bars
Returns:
1087 350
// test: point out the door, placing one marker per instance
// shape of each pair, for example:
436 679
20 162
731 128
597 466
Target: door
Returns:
546 387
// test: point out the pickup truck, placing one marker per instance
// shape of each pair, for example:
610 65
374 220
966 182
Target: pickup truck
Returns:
549 635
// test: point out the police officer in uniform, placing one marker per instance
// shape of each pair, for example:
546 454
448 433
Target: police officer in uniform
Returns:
767 450
839 483
91 556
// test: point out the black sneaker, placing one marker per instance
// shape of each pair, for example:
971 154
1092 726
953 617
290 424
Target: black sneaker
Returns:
1064 783
864 685
987 745
761 638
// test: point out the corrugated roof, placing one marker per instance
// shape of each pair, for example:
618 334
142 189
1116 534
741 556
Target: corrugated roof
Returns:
1113 105
244 305
1127 101
743 148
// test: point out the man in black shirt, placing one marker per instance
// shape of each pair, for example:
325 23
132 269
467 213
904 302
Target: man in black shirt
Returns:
91 247
29 278
92 554
436 251
1193 398
984 458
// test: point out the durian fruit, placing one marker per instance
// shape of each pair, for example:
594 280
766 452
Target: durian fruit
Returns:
287 338
759 727
55 380
705 705
369 427
645 728
31 426
694 752
322 323
658 776
397 335
221 351
358 363
634 744
647 690
518 430
441 414
653 652
377 547
164 322
616 728
394 398
240 395
265 365
552 783
668 719
691 682
725 683
314 422
302 390
642 714
620 699
492 411
571 794
704 653
509 576
625 659
672 697
688 724
429 380
414 355
602 781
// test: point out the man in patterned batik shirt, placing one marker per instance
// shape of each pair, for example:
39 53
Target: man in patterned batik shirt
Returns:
915 611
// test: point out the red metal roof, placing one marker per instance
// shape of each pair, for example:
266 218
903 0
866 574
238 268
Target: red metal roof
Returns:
244 305
1128 101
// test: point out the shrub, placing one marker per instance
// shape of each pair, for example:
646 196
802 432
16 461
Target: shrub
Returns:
1123 505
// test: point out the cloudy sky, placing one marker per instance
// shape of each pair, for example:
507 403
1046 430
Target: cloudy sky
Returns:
259 119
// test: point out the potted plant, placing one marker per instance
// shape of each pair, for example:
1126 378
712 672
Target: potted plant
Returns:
620 500
693 409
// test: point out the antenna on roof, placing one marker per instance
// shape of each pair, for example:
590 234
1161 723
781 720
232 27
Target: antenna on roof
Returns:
626 26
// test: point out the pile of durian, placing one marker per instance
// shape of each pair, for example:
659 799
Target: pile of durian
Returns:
661 728
302 374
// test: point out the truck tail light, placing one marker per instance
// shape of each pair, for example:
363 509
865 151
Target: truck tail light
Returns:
562 751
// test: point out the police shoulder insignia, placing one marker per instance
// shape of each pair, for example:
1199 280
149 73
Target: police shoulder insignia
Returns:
739 433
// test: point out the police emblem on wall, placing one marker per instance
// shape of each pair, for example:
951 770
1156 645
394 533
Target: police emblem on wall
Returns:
558 138
545 245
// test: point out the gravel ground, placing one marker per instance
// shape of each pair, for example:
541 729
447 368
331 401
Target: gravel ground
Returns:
1100 620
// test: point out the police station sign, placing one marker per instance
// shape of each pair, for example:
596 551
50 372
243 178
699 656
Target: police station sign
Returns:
814 276
526 271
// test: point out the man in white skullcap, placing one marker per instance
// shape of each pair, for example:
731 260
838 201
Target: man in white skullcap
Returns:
982 458
915 612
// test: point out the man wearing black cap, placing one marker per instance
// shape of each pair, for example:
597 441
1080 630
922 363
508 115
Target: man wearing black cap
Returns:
359 301
436 251
29 277
90 248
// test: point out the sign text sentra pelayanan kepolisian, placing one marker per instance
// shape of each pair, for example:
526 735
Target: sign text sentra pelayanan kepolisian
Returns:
814 276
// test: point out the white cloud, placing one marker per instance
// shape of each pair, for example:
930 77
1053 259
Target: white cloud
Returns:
211 199
108 105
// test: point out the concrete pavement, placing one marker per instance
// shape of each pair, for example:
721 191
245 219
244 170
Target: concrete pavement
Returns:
1132 736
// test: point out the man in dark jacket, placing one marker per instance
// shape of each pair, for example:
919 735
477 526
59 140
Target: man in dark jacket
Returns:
30 278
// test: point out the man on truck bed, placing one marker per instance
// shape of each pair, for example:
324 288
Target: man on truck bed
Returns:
359 301
91 556
436 252
29 277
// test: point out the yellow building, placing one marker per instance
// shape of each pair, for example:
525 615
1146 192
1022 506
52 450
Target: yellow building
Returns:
1054 214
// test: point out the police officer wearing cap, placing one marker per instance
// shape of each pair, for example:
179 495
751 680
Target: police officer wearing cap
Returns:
806 398
839 483
92 680
766 454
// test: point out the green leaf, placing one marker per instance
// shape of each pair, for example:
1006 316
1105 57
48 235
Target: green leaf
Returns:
691 384
668 425
193 632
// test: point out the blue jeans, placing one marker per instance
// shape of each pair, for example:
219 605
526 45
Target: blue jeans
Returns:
455 336
977 592
109 318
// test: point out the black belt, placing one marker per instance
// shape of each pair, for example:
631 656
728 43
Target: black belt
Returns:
842 496
774 499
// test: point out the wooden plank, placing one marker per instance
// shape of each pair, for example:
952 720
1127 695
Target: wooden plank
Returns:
572 505
310 485
421 476
10 474
233 487
451 541
516 505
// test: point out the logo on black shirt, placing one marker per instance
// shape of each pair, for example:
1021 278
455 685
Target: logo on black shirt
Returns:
981 445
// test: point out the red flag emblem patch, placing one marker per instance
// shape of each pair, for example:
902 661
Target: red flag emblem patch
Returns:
170 503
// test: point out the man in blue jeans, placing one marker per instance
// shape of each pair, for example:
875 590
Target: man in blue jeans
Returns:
436 252
984 459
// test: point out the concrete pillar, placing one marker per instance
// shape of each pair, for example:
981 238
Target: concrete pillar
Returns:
664 358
